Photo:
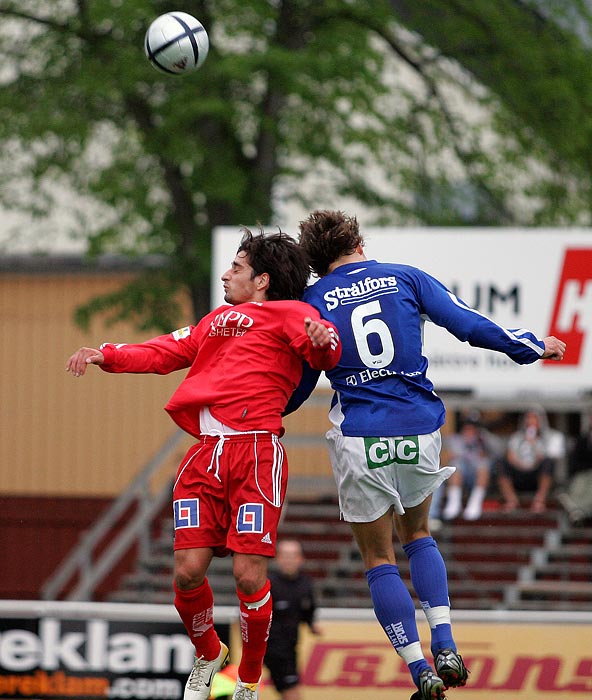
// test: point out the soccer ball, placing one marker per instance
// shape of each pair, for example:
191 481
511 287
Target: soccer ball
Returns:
176 43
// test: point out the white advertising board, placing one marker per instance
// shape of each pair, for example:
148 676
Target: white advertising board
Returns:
540 279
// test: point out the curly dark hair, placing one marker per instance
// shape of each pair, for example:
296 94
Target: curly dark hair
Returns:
327 235
281 257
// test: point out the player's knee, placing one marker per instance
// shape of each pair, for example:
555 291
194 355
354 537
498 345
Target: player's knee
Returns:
248 582
250 573
187 573
186 582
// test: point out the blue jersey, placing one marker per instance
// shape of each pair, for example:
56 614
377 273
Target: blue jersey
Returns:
379 309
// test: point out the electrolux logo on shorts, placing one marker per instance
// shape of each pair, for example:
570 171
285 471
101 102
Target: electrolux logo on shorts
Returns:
92 647
385 452
364 290
572 313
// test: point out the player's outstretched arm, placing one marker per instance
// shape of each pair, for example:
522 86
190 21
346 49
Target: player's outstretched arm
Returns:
554 348
80 360
320 336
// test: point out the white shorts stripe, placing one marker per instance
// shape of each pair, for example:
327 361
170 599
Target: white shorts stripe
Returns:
276 471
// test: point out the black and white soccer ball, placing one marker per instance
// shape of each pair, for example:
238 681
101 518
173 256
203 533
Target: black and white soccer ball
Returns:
176 43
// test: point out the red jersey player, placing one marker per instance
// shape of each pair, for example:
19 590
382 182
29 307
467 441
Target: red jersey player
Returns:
244 359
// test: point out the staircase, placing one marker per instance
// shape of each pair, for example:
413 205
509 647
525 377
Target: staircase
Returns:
558 575
502 561
485 556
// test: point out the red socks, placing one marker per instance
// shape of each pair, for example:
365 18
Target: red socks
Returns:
196 609
255 620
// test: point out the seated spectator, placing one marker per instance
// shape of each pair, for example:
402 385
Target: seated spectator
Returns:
471 454
576 498
530 463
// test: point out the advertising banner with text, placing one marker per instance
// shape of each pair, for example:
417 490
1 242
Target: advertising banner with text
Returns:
507 661
52 656
539 279
86 651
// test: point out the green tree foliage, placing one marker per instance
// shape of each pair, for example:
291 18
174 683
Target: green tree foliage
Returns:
440 112
535 57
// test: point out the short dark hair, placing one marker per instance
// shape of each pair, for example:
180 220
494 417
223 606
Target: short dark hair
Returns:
280 256
327 235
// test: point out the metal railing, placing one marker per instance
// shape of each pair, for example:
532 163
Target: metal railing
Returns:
90 569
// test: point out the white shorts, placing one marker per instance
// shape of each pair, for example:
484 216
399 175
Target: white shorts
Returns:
372 474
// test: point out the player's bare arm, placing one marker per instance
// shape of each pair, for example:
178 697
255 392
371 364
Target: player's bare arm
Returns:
318 333
554 348
80 360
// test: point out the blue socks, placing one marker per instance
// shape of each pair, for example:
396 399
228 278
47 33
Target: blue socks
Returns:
394 606
395 611
430 581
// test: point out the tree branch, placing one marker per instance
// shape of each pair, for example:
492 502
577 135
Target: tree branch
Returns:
63 27
433 92
46 21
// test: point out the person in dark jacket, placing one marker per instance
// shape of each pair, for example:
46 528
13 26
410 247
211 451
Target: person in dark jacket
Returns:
293 603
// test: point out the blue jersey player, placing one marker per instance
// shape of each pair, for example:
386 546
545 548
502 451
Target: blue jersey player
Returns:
385 437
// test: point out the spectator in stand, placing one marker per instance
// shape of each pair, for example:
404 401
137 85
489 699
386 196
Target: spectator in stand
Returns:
293 603
470 454
530 463
576 498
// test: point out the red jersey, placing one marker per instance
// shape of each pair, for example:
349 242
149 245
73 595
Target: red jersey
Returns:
245 361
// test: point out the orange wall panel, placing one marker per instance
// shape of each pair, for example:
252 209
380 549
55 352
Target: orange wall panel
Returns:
90 436
62 435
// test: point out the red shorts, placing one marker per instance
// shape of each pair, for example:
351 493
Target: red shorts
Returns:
229 492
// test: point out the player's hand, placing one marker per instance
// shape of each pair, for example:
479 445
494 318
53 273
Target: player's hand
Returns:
319 334
80 360
554 348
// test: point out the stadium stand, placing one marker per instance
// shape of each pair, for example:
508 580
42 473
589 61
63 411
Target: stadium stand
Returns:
502 561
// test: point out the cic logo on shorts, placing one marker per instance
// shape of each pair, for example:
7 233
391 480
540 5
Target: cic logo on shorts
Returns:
384 452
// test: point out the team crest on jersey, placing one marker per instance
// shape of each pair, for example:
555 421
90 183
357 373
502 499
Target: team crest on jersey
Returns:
182 333
386 452
186 512
250 518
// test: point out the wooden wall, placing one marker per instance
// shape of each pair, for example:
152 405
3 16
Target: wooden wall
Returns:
89 436
62 436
